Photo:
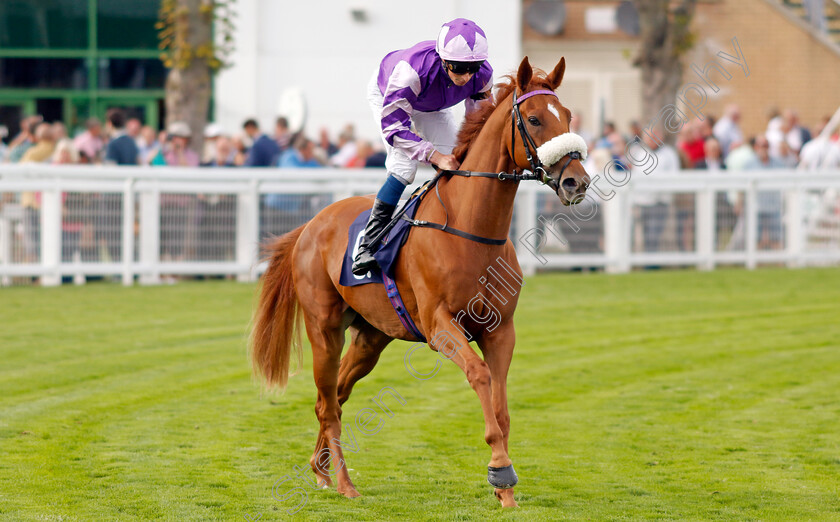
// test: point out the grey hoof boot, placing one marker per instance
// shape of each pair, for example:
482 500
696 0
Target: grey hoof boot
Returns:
502 478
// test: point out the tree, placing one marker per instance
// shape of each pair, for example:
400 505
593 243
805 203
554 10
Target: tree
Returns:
665 37
189 50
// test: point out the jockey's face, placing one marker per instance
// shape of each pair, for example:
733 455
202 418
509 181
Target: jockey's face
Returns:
459 79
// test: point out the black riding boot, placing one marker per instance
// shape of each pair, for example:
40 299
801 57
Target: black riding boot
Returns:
380 216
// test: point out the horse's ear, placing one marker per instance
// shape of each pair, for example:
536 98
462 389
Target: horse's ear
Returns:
523 77
556 76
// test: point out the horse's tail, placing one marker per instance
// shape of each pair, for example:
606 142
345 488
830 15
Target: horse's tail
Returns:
276 327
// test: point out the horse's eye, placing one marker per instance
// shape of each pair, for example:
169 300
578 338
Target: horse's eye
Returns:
534 121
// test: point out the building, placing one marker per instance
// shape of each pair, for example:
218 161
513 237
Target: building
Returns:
791 63
328 50
71 59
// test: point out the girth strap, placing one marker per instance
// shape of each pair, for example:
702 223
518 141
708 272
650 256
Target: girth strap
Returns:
456 232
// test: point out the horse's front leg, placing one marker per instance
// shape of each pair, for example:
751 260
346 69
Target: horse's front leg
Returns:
453 345
497 347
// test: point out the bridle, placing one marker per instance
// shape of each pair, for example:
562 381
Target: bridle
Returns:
533 158
538 171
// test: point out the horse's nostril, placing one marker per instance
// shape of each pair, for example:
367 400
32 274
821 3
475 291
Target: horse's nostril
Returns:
569 184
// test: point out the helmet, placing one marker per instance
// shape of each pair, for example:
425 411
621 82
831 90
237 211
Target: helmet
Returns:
461 40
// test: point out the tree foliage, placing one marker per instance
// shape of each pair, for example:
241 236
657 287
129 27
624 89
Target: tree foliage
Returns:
196 41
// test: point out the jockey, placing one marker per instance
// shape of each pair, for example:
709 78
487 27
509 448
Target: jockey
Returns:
410 94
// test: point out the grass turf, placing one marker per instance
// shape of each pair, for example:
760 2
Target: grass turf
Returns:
670 395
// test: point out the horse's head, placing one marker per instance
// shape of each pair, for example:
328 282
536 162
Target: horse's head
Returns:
540 129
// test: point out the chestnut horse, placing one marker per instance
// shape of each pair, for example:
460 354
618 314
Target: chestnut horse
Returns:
437 274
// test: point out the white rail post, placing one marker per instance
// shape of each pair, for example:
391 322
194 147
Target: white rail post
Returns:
248 231
617 232
705 228
150 235
751 234
51 235
526 220
128 233
5 248
795 231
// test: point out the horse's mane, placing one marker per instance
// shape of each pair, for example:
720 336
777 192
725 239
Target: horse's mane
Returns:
475 122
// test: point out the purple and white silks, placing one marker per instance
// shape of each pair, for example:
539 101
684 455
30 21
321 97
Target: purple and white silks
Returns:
412 80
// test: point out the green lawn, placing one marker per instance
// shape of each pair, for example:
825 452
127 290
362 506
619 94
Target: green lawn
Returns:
666 395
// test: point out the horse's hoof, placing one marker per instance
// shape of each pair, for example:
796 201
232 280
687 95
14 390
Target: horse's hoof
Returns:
505 496
502 478
349 492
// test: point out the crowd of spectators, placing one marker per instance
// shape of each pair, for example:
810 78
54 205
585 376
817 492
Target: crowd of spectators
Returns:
719 144
126 141
714 145
711 144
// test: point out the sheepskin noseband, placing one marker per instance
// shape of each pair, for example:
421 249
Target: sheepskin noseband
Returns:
559 146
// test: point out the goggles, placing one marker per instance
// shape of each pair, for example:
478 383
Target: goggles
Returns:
462 67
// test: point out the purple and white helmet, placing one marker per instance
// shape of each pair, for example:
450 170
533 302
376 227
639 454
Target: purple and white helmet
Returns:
461 40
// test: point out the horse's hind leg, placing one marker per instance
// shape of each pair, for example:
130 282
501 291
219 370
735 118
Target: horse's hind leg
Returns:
366 345
326 335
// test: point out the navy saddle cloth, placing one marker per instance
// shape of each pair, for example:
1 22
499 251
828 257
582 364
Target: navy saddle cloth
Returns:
389 247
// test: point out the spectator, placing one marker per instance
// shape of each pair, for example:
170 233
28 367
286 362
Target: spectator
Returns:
147 144
302 154
821 152
265 151
122 149
59 131
691 142
282 135
212 133
376 160
728 130
326 144
603 142
157 156
132 128
65 153
364 150
346 147
653 209
90 142
741 155
791 133
24 140
40 151
224 153
43 145
707 127
769 202
787 156
179 154
240 149
617 147
635 130
712 159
